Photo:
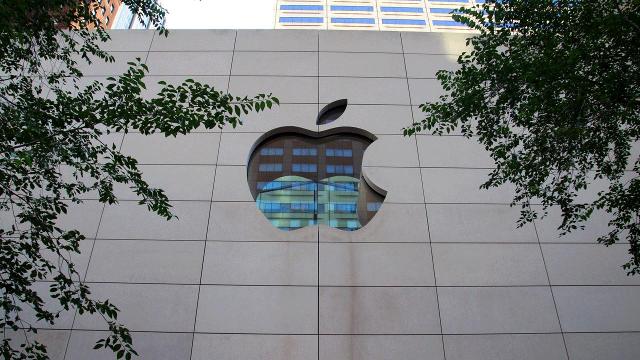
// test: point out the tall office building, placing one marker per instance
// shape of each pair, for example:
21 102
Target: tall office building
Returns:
390 15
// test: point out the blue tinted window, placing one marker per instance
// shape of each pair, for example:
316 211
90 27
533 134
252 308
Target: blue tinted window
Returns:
402 9
349 208
338 152
351 8
272 151
310 168
340 169
373 206
270 167
349 186
262 185
307 20
303 207
301 7
305 152
342 186
308 186
447 23
403 22
288 185
441 10
270 206
270 185
353 20
343 207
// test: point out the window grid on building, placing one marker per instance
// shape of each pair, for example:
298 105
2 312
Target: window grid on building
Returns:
389 15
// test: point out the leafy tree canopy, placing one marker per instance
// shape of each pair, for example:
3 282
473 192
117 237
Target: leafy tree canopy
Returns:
53 150
551 88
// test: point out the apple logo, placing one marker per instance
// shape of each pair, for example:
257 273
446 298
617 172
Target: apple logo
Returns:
303 178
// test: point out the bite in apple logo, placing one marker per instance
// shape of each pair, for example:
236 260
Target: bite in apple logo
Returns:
302 178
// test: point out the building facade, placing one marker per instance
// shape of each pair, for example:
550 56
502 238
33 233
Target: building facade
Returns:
438 270
126 19
105 12
389 15
113 14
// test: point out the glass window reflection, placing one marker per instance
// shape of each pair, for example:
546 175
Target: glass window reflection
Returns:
315 181
270 167
271 151
305 168
305 152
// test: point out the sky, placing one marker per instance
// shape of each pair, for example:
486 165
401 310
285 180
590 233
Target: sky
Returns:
220 14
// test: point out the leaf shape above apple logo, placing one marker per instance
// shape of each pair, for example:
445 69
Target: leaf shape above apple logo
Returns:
331 112
303 178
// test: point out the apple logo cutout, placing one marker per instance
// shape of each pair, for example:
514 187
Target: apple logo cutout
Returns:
300 178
